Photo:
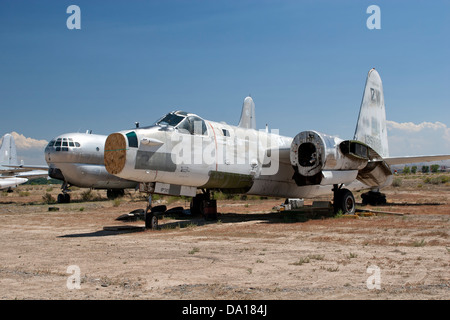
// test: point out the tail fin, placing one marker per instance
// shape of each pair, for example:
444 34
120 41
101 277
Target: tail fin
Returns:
371 126
8 153
248 119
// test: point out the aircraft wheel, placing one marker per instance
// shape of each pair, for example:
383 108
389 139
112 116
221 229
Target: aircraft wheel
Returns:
373 198
66 198
112 194
60 198
344 201
196 205
151 221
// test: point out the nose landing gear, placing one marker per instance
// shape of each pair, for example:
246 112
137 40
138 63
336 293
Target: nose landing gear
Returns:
64 197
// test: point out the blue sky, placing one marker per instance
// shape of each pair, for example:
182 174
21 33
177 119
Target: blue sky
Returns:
303 62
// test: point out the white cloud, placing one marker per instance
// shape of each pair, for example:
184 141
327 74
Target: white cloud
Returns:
24 143
426 138
29 150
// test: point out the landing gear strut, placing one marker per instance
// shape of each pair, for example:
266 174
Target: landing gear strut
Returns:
64 197
151 219
343 200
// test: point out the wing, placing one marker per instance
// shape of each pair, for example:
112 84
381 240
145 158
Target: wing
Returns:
21 171
415 159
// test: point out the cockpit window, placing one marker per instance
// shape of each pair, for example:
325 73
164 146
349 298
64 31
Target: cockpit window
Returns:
170 119
63 144
189 124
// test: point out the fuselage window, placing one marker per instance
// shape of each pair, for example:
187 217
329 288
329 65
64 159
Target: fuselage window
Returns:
132 139
226 133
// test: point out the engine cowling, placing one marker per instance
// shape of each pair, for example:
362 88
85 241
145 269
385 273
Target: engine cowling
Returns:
313 152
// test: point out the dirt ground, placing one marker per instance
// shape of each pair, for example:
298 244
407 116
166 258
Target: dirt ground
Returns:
251 252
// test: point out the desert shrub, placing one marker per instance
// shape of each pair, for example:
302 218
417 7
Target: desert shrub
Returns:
116 202
48 198
87 195
397 182
436 179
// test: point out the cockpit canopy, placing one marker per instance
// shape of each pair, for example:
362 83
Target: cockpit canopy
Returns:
62 144
184 122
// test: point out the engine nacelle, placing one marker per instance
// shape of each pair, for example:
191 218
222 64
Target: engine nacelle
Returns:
313 152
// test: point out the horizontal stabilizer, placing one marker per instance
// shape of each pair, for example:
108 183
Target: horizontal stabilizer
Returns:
415 159
23 168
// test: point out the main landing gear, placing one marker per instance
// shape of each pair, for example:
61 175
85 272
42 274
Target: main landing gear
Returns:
373 197
151 219
152 213
343 200
204 205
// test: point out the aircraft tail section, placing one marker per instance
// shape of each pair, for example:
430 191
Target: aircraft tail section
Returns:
371 126
8 153
248 119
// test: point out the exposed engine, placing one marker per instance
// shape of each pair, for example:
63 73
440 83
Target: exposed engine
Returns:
318 158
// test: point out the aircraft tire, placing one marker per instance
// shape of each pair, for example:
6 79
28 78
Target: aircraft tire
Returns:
373 198
151 221
160 209
345 202
112 194
196 205
61 198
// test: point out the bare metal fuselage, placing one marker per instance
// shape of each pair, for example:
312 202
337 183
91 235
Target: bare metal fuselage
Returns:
79 162
227 158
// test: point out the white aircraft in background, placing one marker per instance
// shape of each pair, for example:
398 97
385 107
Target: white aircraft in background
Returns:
182 153
11 172
77 160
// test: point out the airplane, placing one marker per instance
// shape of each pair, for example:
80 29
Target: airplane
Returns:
11 172
77 160
182 152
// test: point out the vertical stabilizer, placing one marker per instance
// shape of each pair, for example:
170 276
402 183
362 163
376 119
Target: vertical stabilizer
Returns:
8 153
371 126
248 119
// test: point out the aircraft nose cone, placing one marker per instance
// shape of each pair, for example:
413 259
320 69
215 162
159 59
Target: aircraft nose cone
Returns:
115 153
